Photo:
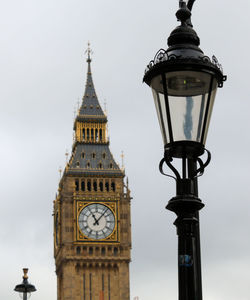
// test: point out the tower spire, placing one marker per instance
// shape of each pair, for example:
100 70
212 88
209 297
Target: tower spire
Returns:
90 107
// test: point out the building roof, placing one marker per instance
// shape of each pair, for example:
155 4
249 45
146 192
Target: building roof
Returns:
93 159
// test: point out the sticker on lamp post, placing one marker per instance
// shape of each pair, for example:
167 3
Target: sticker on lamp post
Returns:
185 260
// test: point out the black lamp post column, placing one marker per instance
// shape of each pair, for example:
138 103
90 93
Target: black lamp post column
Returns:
186 205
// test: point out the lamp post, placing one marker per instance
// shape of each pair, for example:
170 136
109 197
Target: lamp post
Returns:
25 287
184 83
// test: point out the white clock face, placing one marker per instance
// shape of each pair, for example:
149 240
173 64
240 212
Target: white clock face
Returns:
96 221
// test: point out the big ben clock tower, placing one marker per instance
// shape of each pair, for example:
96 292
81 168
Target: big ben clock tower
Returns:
92 236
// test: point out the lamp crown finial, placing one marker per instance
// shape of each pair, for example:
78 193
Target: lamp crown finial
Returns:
25 272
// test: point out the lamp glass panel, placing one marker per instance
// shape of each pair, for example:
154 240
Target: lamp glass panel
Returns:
160 105
213 94
187 96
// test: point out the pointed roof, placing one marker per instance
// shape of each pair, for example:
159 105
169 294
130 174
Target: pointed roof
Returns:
93 160
90 107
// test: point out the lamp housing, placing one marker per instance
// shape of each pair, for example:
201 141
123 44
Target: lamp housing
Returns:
184 83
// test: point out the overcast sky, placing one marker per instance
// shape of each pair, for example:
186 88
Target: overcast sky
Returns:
43 73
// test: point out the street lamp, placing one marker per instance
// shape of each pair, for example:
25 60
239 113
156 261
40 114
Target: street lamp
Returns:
184 83
25 287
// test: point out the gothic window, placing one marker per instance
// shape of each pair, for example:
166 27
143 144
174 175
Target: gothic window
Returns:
104 155
100 166
96 135
90 250
77 164
113 186
100 135
115 251
95 186
101 186
87 133
89 185
83 185
92 134
88 165
77 185
83 134
78 250
107 186
103 251
111 166
93 155
82 155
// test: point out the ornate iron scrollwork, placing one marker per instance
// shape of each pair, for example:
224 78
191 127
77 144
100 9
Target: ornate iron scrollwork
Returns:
168 160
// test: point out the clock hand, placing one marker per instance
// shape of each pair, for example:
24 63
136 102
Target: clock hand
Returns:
100 217
96 221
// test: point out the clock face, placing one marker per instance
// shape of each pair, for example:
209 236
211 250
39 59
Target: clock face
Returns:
96 221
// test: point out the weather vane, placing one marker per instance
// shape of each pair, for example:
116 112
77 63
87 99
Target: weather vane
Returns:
89 52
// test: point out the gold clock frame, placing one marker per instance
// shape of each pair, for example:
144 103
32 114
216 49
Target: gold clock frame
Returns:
80 237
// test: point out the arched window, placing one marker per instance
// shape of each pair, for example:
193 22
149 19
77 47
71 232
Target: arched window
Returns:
107 186
89 185
100 166
90 250
95 186
78 250
115 251
77 164
113 186
103 251
93 155
100 134
77 185
104 155
111 166
83 134
82 155
96 135
92 134
101 185
87 133
88 165
83 185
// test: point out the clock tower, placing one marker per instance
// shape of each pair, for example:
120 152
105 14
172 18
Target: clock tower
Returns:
92 231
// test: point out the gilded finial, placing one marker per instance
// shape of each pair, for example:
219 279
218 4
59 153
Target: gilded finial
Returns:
67 156
122 156
60 172
89 52
78 105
